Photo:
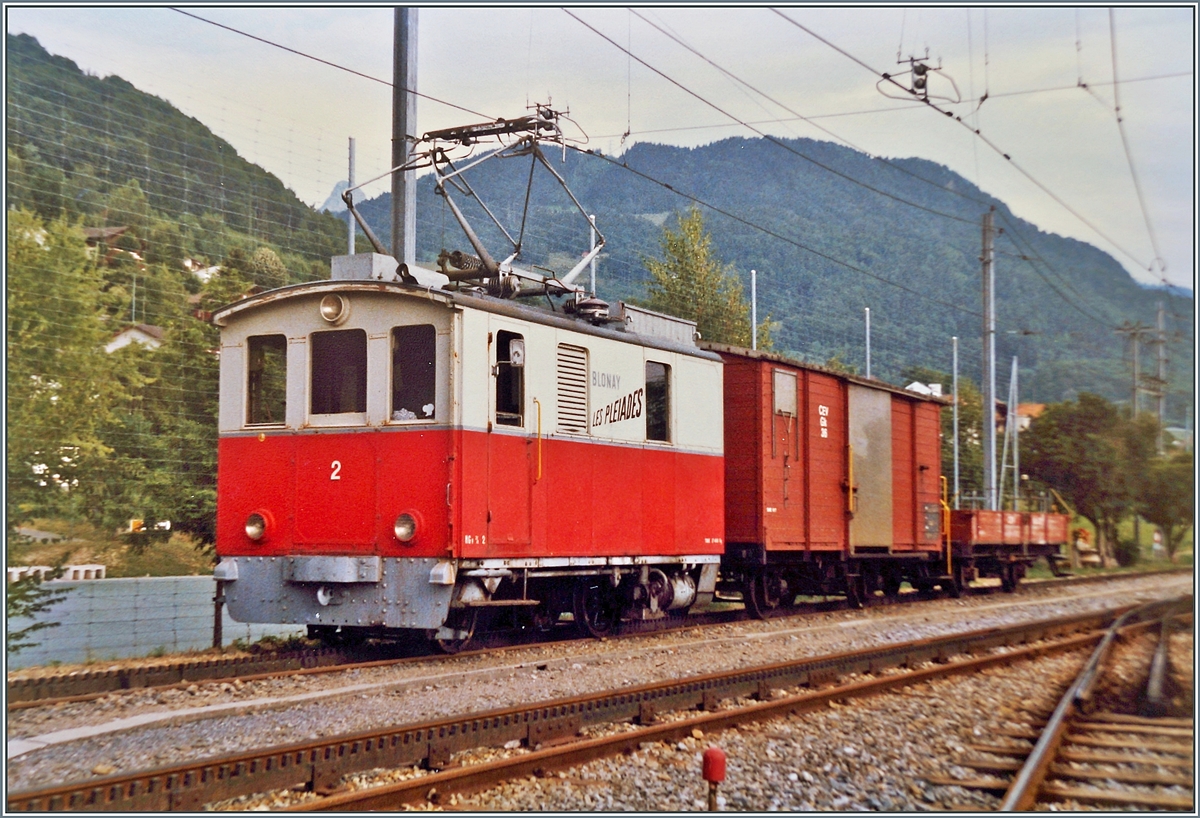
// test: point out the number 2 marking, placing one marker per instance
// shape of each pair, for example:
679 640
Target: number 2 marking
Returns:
337 470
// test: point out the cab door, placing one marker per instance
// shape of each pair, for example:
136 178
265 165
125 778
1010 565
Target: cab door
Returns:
509 444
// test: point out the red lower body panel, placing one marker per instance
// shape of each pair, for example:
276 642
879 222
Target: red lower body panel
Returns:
474 494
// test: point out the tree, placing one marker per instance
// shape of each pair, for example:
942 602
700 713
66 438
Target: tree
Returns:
61 385
1166 497
689 281
266 269
23 600
1088 451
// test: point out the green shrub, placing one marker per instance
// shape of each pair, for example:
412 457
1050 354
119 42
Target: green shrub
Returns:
1127 553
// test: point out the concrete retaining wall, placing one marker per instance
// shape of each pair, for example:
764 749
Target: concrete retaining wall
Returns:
122 618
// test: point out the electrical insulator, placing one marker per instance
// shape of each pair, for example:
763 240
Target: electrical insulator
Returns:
919 78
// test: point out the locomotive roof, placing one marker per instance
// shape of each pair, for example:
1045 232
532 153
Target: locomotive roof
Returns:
461 300
773 357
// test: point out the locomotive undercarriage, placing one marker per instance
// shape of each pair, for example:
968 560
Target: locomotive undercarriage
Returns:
597 598
345 599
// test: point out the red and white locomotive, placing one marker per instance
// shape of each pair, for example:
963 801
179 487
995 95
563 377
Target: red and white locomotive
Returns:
409 450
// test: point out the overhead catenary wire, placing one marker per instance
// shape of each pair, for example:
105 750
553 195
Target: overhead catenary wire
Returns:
763 134
329 63
798 244
1137 185
800 116
962 194
915 104
978 132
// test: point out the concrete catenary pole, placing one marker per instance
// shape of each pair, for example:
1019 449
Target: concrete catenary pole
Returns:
989 362
867 312
954 364
404 126
754 309
1162 373
350 226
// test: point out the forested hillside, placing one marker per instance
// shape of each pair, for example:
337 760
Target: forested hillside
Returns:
101 151
1059 300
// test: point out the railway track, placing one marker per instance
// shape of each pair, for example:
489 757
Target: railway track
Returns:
321 765
88 685
1095 759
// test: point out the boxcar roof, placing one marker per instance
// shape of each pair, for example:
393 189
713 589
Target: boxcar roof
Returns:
462 300
771 357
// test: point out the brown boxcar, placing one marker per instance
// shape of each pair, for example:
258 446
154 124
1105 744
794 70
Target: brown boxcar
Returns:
832 482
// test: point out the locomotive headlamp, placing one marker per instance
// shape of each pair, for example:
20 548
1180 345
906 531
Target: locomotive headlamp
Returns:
256 526
334 309
405 528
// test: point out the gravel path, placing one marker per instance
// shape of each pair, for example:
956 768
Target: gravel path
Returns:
369 698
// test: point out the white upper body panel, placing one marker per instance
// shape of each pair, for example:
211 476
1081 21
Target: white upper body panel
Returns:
589 384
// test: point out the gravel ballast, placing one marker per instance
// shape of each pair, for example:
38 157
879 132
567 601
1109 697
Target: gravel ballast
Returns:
370 698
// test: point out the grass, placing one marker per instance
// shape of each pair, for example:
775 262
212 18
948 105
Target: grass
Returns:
84 544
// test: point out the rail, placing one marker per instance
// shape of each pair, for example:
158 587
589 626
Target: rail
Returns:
1023 791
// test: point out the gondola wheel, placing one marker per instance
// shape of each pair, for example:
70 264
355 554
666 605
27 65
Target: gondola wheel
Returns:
597 607
463 622
763 594
1008 577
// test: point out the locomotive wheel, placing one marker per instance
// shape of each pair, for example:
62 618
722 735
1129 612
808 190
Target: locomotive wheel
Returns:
544 618
337 637
464 621
763 594
597 607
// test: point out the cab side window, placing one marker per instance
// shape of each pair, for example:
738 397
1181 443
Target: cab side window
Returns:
339 372
414 370
266 383
510 379
658 401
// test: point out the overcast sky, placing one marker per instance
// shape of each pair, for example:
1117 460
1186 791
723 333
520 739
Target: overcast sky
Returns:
293 115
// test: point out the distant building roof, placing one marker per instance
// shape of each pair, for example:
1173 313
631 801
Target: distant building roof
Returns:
925 388
147 335
97 234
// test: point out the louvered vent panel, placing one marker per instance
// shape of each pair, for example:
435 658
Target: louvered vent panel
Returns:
572 389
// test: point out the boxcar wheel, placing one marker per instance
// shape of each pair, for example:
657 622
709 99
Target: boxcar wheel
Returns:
856 591
762 594
954 585
464 621
597 607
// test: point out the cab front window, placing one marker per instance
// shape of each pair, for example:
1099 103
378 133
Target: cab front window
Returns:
266 382
339 372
